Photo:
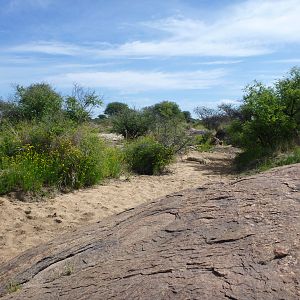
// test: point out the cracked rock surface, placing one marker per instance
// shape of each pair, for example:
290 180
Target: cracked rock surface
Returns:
239 240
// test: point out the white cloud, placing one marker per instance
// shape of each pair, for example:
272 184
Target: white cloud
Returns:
136 81
53 48
286 61
249 28
220 62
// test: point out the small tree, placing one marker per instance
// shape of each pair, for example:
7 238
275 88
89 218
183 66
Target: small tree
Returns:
37 101
131 123
210 118
271 115
187 116
115 108
165 111
81 103
168 126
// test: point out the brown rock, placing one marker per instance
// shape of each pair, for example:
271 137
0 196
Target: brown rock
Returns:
280 252
221 241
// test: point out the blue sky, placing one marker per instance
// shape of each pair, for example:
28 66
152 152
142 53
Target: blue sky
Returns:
194 52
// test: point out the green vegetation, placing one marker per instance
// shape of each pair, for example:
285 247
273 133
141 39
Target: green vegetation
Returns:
115 108
13 287
147 156
49 142
281 159
131 123
203 142
81 103
45 142
269 122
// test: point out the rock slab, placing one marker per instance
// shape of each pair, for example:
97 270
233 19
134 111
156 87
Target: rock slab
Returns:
239 240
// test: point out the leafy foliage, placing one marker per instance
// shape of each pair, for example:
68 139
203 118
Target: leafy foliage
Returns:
187 116
165 110
147 156
270 120
36 156
115 108
270 114
36 101
81 103
43 146
131 123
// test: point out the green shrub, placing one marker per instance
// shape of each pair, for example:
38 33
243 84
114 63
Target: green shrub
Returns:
115 108
38 100
203 142
79 106
269 115
147 156
68 158
282 159
261 159
131 123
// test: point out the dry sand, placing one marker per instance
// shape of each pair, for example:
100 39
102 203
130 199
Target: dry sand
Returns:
25 225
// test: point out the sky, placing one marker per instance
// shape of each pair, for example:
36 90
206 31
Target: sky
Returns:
141 52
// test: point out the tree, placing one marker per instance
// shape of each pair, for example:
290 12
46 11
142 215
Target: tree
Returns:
271 114
187 116
131 123
165 111
167 125
80 104
288 91
115 108
9 111
210 118
37 101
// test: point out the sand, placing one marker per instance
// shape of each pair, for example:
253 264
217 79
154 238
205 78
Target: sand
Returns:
25 225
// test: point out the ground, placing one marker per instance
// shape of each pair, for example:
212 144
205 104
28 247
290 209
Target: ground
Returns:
25 225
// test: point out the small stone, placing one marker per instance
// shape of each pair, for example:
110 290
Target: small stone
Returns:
280 252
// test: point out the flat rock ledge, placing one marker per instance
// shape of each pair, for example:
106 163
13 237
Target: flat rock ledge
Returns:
239 240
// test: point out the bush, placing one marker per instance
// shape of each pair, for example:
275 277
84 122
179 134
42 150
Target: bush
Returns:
56 156
80 105
115 108
37 100
269 121
270 115
131 123
147 156
203 142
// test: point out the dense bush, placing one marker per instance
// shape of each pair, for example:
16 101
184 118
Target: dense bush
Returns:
168 125
131 123
270 121
147 156
164 112
61 156
37 100
115 108
204 142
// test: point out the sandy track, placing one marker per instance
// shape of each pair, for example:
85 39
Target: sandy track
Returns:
25 225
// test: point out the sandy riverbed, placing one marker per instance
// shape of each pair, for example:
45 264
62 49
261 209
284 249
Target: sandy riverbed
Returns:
25 225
